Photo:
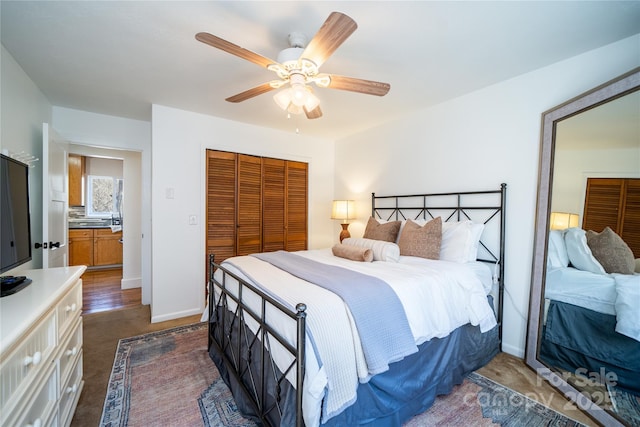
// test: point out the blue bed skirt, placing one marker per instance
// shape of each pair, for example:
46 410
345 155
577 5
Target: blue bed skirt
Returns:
408 388
577 338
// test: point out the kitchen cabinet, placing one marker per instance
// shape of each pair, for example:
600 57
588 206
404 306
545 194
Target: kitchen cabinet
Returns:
95 247
107 249
76 167
81 247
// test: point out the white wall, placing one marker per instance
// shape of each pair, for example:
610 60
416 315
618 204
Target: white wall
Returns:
23 109
476 142
130 141
180 139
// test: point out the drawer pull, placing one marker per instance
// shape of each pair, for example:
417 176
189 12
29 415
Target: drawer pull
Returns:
72 389
35 359
71 307
72 352
36 423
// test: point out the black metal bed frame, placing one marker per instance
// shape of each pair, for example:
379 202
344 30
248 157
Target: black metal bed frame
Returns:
241 350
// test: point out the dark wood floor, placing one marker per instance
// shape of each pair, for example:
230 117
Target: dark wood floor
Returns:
101 291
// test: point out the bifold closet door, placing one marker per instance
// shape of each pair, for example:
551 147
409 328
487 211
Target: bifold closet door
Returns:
273 204
296 206
614 203
221 205
249 207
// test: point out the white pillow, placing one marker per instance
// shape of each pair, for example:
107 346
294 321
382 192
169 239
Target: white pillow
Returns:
579 252
382 251
460 241
557 256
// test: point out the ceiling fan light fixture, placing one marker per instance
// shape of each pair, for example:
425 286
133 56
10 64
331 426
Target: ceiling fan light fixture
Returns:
283 98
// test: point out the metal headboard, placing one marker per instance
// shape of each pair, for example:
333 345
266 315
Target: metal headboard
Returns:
485 207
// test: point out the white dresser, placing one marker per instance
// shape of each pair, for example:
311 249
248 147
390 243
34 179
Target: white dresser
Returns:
41 349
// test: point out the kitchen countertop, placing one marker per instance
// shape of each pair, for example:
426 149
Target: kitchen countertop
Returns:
78 226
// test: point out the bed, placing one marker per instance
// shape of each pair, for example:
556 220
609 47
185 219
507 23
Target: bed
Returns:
311 338
591 317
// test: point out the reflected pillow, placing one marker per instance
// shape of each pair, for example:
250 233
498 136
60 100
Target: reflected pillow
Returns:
387 231
557 256
421 241
611 251
579 252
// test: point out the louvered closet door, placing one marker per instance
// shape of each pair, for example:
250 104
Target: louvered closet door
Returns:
221 204
631 216
249 213
273 204
603 204
296 202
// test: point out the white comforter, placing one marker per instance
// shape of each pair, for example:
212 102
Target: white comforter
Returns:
438 297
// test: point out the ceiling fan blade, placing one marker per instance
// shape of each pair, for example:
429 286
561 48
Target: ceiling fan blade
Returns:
335 30
248 94
234 49
352 84
316 113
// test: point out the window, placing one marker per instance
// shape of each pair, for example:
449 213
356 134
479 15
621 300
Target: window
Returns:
104 195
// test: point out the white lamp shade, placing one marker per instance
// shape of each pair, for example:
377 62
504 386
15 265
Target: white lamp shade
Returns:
563 220
343 209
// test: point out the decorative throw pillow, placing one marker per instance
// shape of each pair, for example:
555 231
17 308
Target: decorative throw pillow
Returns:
579 252
422 241
386 232
353 253
382 251
611 251
557 256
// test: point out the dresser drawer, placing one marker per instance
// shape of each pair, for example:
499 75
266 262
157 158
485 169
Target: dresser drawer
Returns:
70 393
70 350
40 409
27 362
69 308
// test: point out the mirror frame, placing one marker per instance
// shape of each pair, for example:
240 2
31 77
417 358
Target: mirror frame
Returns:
602 94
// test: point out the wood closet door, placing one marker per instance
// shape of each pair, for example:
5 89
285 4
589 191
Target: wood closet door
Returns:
296 206
273 204
614 202
603 204
221 205
249 207
630 232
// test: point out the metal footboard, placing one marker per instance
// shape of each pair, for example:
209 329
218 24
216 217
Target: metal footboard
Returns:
246 351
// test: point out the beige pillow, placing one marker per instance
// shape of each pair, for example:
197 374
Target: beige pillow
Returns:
353 253
611 251
387 232
422 241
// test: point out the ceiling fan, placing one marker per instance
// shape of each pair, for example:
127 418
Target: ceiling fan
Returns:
299 66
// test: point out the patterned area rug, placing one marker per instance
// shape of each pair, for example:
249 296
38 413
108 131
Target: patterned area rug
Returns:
166 378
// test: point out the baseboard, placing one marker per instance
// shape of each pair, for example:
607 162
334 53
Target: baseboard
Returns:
175 315
514 351
132 283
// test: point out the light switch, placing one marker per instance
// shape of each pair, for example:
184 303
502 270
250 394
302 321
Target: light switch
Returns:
193 220
170 192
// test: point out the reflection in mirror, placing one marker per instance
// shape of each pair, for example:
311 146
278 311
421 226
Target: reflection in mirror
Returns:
584 322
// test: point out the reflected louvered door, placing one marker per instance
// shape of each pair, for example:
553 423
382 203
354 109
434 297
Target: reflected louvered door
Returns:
273 204
249 206
296 203
630 232
221 205
603 204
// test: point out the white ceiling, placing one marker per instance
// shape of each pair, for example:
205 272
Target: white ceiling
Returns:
118 58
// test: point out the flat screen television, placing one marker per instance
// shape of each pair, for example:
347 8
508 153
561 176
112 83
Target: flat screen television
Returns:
15 231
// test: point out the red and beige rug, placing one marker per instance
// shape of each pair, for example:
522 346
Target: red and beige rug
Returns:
166 378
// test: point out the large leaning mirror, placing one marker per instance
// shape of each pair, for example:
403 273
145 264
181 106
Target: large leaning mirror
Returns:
583 334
